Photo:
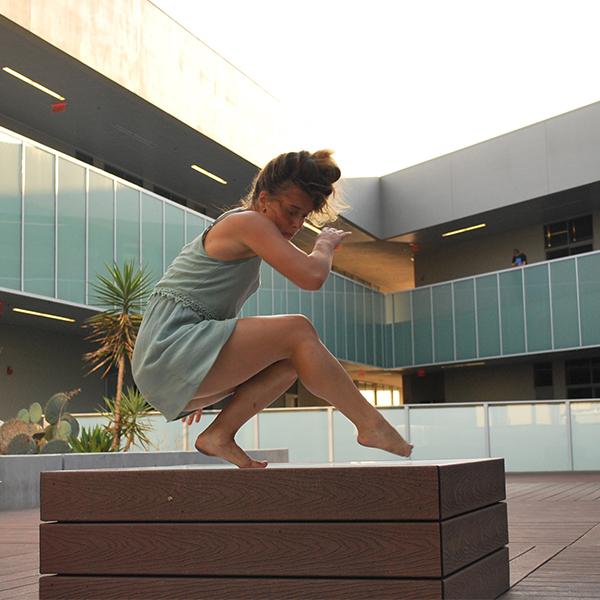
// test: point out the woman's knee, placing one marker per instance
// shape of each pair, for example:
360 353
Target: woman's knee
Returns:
287 372
302 326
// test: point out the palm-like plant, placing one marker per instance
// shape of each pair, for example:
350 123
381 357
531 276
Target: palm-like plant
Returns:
114 330
133 410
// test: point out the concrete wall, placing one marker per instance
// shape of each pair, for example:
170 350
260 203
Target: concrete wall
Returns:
43 363
363 196
490 383
135 44
480 255
554 155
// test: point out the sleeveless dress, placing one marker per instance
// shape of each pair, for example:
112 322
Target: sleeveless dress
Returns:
189 317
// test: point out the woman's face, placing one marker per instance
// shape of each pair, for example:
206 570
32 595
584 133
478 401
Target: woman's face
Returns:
287 208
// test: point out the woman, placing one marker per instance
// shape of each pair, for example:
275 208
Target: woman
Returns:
192 349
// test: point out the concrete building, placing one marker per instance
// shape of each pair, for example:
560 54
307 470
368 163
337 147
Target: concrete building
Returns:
415 315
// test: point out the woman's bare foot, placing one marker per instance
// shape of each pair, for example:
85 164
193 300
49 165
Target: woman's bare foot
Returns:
212 444
384 436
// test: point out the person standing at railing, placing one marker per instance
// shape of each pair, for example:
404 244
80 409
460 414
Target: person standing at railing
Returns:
193 349
519 258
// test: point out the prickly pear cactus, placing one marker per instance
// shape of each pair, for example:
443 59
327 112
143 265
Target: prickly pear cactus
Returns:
23 415
56 447
74 423
14 427
35 412
55 407
22 444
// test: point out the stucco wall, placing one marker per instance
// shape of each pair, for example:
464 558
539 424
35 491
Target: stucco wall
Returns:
135 44
483 254
490 383
43 363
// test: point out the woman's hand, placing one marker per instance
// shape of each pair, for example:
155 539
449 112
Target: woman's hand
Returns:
195 416
331 237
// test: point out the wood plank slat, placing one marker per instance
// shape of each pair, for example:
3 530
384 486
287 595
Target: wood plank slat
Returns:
412 549
401 491
485 579
65 587
470 485
465 539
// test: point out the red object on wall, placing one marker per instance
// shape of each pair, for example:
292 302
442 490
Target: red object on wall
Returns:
421 373
9 370
59 106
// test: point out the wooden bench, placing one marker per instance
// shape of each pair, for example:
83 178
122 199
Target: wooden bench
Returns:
380 531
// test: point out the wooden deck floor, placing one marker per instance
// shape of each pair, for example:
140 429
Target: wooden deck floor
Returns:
554 531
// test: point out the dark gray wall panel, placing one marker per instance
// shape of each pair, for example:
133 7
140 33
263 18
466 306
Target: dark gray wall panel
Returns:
417 197
502 171
362 194
573 148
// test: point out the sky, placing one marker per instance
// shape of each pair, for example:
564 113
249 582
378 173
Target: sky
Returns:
391 83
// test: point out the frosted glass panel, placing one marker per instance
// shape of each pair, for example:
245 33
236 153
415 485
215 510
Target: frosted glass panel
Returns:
464 316
71 231
589 298
339 285
421 307
100 229
402 334
443 323
488 322
512 312
359 308
174 233
565 312
453 432
530 437
304 433
329 303
128 225
39 222
10 212
537 304
351 330
345 446
152 236
585 424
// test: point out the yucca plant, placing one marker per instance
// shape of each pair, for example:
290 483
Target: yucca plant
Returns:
133 410
96 439
123 293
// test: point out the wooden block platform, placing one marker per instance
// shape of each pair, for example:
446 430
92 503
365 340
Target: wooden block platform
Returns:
389 530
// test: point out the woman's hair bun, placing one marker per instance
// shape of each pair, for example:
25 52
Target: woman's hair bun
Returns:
315 173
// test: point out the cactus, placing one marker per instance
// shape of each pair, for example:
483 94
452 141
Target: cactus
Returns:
55 408
22 444
35 412
23 415
14 427
56 447
74 423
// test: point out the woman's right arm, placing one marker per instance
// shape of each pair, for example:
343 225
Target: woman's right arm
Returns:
307 271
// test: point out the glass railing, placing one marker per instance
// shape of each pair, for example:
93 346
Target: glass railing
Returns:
62 220
541 307
550 435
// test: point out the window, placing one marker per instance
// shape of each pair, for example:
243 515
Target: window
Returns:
565 238
583 378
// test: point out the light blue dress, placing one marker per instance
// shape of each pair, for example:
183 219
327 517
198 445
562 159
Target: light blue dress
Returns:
189 317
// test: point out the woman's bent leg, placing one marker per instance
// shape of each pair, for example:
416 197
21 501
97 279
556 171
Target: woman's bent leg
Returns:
249 399
258 342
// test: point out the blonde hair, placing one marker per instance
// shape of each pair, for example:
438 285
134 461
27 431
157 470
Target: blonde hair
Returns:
314 173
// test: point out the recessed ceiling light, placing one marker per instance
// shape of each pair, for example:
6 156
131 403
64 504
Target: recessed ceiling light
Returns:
35 84
465 229
41 314
208 174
